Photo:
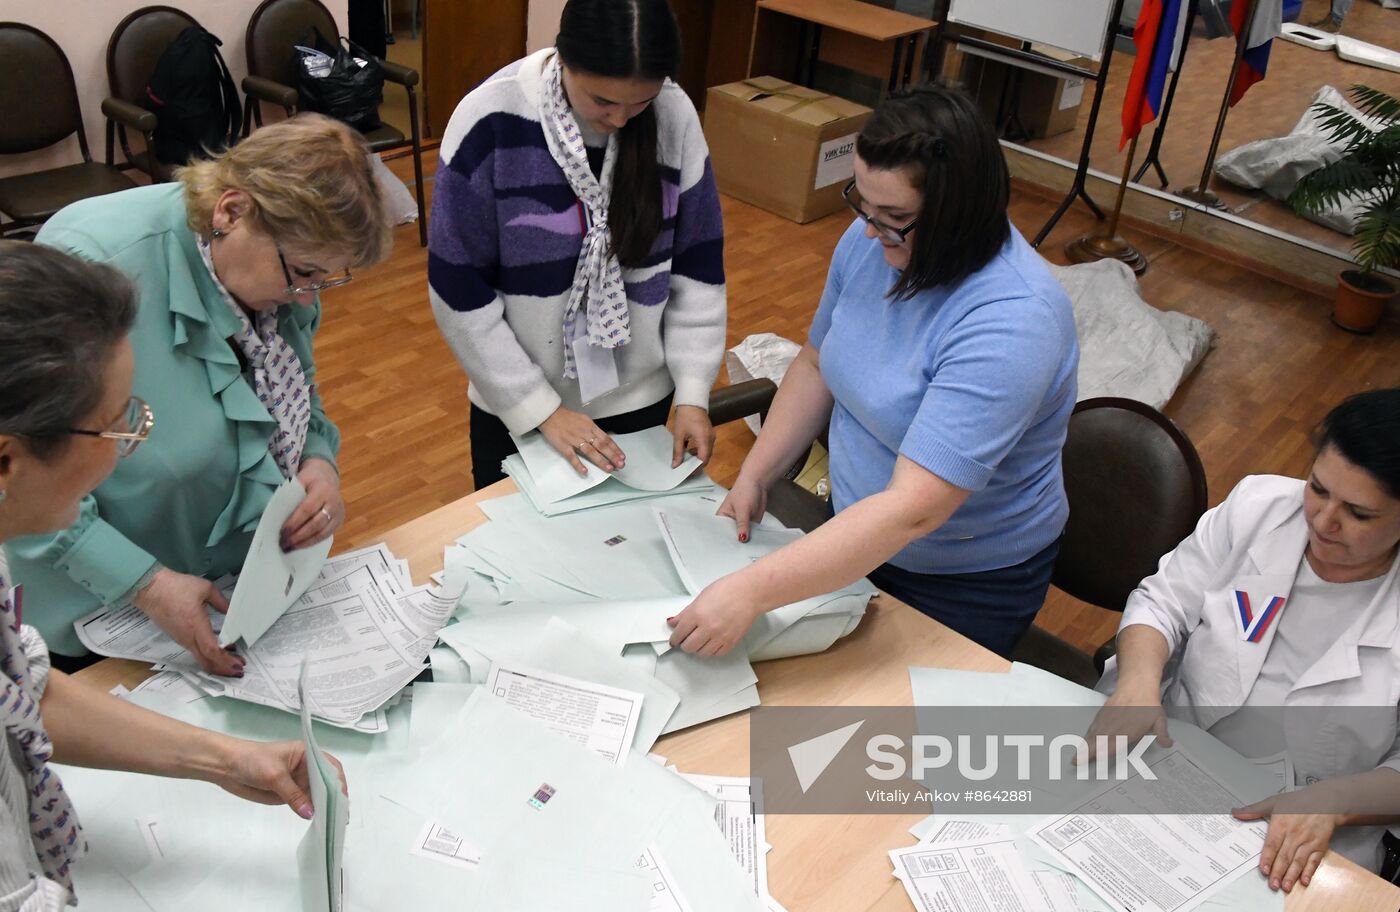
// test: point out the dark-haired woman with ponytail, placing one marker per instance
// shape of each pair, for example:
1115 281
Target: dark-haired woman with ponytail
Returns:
943 358
576 250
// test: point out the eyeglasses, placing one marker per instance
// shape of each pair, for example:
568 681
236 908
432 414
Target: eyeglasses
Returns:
888 232
294 289
137 421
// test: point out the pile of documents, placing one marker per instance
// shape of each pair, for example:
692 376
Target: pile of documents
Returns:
552 485
467 802
364 629
1104 852
597 607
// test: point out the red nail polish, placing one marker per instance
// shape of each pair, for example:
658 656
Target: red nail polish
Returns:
671 620
744 537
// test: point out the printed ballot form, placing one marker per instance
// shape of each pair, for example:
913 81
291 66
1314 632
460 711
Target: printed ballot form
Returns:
601 718
975 875
1156 846
664 895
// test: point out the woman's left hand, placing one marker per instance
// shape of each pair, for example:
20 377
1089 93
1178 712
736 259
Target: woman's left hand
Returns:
692 430
1295 844
321 512
716 621
271 773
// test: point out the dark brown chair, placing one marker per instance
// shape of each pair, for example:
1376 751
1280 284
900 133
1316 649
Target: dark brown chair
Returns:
132 52
793 504
275 27
1136 488
38 108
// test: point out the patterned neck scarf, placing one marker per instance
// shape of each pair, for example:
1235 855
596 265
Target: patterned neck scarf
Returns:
278 380
598 291
53 826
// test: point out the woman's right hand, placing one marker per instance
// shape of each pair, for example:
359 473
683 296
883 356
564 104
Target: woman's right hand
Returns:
1131 712
175 601
574 434
745 504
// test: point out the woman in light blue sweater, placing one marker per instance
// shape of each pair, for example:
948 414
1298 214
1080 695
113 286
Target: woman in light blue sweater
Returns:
943 358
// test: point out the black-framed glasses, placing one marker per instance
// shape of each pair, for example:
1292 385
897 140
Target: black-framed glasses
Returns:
133 427
293 289
889 232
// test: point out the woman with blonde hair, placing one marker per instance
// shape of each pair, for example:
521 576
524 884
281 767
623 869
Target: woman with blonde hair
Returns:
228 262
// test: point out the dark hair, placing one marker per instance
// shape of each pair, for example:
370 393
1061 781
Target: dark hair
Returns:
59 320
1365 430
627 39
951 152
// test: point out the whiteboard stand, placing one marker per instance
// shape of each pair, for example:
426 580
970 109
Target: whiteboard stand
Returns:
1097 77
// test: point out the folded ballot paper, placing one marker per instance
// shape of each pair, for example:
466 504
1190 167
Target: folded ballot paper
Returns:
552 485
467 803
364 628
614 574
272 579
321 855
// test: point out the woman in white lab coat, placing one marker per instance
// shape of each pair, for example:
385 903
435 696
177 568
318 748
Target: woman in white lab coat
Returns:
1287 596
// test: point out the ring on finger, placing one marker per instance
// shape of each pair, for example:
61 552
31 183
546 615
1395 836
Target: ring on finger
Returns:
326 513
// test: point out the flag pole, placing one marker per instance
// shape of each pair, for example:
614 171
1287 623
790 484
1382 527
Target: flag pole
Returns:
1104 243
1202 193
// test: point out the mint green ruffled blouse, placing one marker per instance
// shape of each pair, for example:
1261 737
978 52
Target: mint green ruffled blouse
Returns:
190 496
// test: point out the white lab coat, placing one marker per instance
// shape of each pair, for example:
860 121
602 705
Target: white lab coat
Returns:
1254 542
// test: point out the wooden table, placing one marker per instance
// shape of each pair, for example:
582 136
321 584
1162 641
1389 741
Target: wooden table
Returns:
859 29
820 863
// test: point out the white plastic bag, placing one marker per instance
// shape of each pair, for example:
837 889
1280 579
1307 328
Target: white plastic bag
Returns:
400 202
760 356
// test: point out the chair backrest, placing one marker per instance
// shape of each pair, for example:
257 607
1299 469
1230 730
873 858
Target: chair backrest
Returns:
1136 488
38 97
275 27
135 46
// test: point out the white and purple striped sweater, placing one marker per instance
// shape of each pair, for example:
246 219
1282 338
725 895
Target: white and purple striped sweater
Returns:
504 239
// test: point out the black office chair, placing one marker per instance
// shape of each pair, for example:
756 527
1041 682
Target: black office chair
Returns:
1136 488
38 108
275 27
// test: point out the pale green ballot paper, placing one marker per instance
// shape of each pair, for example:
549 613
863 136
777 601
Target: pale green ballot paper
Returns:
321 854
271 581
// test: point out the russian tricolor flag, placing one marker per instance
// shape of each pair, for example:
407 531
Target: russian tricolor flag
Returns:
1159 35
1265 27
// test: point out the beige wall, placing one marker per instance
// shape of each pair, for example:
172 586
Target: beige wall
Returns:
82 27
542 24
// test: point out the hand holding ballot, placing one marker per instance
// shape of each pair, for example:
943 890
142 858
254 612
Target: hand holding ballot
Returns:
574 435
321 510
271 773
176 603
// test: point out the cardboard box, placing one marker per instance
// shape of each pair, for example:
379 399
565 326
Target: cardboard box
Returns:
782 147
1048 105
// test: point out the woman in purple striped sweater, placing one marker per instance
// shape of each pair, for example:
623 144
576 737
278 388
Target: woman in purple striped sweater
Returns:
576 261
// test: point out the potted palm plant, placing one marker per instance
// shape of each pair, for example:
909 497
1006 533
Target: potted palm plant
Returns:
1367 172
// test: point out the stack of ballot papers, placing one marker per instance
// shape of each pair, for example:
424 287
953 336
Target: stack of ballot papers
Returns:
610 578
552 485
1103 851
365 630
466 802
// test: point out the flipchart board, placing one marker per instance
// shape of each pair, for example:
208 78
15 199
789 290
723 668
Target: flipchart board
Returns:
1074 25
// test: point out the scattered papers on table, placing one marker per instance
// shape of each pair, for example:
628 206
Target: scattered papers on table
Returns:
364 629
271 579
601 718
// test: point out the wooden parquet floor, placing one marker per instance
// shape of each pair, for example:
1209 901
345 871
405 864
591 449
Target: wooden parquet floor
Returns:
1277 366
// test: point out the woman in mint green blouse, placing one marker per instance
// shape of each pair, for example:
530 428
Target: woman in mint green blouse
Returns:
228 262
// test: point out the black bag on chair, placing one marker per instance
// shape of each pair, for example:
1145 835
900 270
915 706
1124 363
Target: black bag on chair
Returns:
194 99
350 91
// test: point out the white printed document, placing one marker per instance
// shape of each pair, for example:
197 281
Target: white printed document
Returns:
664 895
972 876
271 580
600 718
740 818
705 548
1163 845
